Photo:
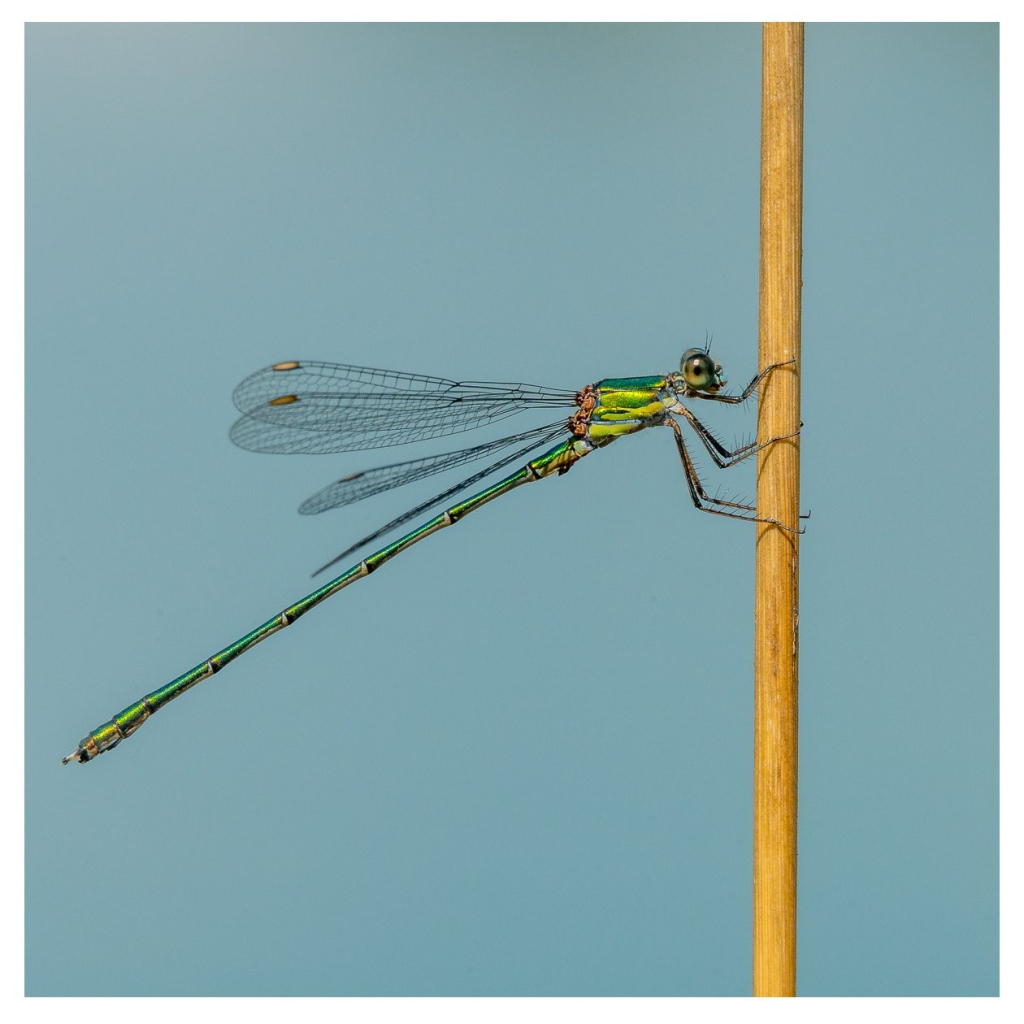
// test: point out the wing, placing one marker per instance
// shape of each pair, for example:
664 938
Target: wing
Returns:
308 407
554 431
361 485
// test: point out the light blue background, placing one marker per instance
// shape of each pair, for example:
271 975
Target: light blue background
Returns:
517 761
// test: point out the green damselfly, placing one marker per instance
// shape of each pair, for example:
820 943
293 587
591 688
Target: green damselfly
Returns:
311 407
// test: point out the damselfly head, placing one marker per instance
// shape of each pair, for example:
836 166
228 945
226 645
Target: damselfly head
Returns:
700 372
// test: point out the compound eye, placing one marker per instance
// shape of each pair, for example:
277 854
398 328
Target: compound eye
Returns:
699 370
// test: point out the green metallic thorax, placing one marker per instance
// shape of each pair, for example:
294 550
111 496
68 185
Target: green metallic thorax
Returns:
626 405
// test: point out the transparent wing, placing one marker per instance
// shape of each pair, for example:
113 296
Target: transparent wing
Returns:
554 432
310 407
361 485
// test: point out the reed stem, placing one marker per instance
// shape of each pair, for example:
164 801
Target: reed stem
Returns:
776 612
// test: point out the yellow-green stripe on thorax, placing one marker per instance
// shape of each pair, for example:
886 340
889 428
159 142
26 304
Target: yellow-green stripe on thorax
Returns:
626 405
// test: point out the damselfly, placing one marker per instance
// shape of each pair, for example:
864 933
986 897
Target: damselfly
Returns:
326 407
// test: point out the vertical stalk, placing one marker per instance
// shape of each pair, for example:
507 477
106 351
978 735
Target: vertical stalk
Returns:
776 611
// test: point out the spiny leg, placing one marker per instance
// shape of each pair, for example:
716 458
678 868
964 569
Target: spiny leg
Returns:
703 501
711 442
697 493
747 391
723 458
